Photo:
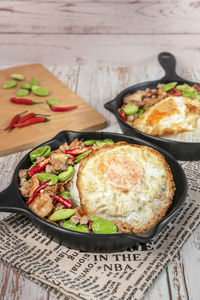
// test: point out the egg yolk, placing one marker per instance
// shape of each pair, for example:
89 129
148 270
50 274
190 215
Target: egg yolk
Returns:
121 172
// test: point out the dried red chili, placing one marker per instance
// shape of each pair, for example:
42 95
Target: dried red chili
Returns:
77 151
31 121
14 120
63 201
37 190
39 167
23 101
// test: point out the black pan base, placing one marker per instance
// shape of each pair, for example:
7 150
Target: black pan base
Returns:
12 201
180 150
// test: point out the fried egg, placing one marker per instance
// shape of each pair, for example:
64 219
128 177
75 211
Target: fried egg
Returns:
125 182
170 115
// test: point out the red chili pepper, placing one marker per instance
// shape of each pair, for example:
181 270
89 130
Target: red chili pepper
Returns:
63 201
197 87
77 151
73 157
37 190
14 120
123 115
39 167
29 116
176 94
58 108
23 101
31 121
149 94
90 225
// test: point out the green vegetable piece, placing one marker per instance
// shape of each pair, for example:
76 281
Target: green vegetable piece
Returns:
169 86
89 142
71 226
34 82
108 141
66 195
54 223
25 86
53 101
46 176
63 176
41 91
10 84
140 113
42 151
197 96
17 76
130 109
185 88
100 143
103 226
34 87
62 214
22 92
81 156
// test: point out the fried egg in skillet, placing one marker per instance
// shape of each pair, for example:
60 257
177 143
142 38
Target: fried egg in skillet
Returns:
171 115
125 182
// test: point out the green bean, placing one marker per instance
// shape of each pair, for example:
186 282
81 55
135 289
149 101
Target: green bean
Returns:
22 92
169 86
81 156
71 226
41 91
62 214
140 113
89 142
17 76
108 141
25 86
66 195
46 176
10 84
103 226
65 175
185 88
42 151
130 109
53 101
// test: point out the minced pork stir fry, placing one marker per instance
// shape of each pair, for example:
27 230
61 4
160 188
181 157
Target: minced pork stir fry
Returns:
45 186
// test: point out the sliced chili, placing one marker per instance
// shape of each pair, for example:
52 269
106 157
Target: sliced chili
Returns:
149 94
31 121
123 115
39 167
176 94
23 101
14 121
197 87
37 190
77 151
63 201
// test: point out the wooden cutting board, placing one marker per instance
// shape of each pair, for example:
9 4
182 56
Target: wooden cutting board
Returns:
83 118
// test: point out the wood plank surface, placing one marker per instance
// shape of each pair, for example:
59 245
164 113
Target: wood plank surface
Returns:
83 118
91 17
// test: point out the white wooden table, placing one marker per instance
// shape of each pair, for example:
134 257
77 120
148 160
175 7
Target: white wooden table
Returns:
97 85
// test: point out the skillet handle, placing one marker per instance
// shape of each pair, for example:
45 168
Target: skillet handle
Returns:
10 202
168 63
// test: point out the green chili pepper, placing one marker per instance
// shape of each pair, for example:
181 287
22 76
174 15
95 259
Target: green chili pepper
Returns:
42 151
10 84
22 92
53 101
46 176
65 175
62 214
25 86
81 156
103 226
71 226
17 76
169 86
41 91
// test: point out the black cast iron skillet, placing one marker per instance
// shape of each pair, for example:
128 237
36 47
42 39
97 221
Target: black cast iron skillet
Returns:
180 150
12 201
